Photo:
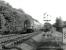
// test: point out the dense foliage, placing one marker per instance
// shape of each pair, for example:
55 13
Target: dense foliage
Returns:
11 19
58 24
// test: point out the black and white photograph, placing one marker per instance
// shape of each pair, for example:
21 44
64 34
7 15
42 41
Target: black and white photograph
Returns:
32 24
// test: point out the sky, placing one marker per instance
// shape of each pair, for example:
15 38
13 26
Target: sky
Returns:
37 8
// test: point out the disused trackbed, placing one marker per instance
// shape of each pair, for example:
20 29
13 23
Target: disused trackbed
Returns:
19 38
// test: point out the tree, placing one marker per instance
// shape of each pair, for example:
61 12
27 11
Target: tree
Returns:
13 18
64 23
59 24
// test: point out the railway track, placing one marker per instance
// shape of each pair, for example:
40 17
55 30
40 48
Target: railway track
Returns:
13 40
6 38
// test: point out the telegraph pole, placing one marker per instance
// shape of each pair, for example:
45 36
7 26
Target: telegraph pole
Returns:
47 25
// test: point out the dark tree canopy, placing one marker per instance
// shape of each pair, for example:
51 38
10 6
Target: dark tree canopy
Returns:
58 24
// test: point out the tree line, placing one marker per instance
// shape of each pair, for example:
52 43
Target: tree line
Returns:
11 19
